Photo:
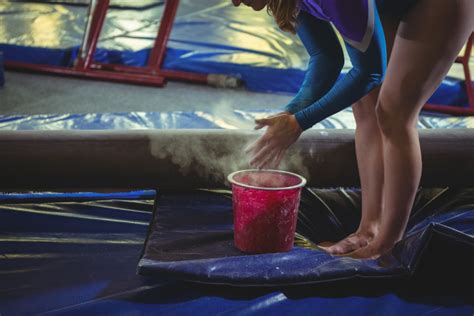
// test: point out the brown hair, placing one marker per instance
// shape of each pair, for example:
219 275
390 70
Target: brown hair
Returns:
284 12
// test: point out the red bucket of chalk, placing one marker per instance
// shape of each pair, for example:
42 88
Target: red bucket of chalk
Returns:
265 205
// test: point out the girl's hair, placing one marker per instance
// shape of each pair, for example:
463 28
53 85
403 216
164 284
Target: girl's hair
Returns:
284 12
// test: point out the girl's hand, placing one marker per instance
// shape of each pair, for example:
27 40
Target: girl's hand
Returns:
282 131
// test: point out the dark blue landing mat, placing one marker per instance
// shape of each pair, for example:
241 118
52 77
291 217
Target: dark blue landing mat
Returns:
191 237
79 258
208 36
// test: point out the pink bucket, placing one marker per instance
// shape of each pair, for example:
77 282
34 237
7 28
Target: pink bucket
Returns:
265 204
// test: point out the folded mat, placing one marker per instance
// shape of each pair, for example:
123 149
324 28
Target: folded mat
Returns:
190 237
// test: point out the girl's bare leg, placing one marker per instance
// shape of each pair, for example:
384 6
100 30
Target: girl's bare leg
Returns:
368 141
427 43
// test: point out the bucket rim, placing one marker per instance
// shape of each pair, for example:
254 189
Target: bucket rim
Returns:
231 179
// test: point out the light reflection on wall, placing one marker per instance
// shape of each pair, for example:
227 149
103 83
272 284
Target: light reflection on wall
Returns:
259 41
46 29
257 31
41 25
130 29
3 26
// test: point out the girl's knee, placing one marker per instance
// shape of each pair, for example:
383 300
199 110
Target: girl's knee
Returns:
361 112
364 110
394 118
364 118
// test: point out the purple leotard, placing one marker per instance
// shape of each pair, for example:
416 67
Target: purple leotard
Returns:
349 16
354 19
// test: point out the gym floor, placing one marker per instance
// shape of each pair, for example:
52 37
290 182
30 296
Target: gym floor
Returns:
29 94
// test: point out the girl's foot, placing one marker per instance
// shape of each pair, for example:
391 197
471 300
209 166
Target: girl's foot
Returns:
350 244
374 250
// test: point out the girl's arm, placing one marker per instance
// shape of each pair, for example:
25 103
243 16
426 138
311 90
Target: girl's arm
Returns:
325 62
367 73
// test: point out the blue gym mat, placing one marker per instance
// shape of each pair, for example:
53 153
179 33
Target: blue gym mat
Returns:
79 257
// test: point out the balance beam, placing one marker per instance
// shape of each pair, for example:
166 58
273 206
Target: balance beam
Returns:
185 159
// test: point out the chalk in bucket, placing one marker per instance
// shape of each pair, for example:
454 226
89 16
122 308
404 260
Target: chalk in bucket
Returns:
265 206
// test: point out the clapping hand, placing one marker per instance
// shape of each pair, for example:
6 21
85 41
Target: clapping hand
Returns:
270 148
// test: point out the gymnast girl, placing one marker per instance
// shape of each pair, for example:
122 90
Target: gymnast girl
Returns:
400 51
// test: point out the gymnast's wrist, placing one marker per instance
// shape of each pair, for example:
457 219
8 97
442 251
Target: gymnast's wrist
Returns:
302 120
290 108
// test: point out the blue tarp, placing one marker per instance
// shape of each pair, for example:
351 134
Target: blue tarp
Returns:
231 119
80 257
208 37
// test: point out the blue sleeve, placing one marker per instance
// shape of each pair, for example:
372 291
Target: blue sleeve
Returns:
367 73
326 60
